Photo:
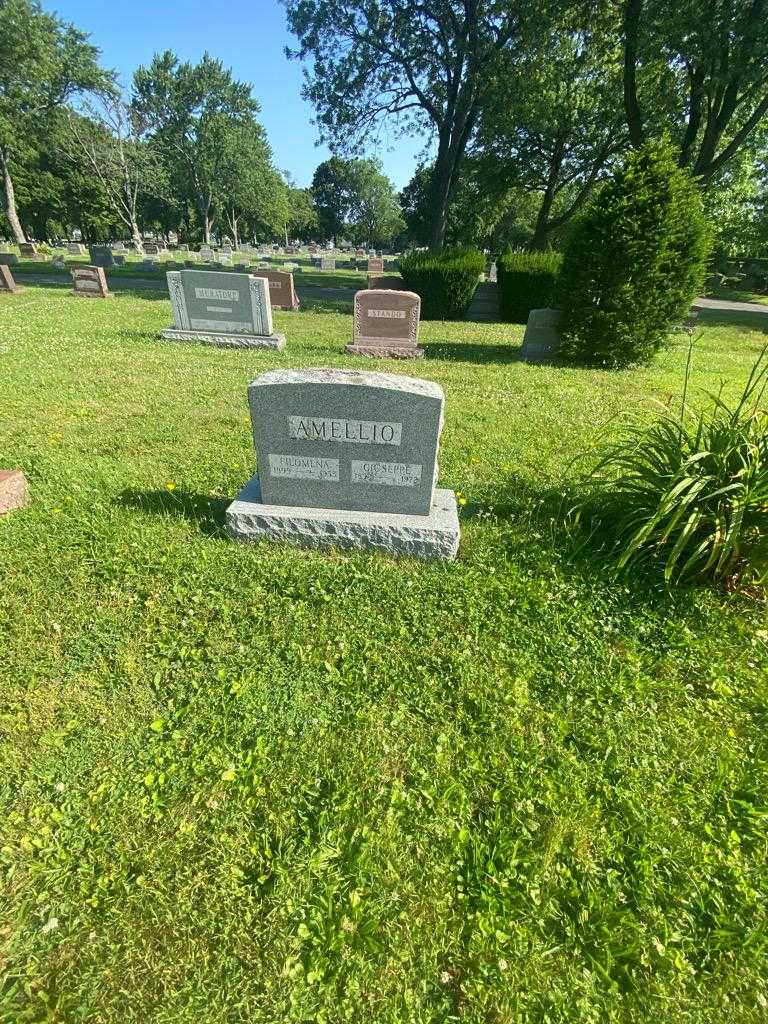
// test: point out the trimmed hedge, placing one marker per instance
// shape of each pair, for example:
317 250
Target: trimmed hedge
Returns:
634 263
445 281
527 280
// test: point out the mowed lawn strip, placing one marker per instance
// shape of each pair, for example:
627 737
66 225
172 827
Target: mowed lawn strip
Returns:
262 784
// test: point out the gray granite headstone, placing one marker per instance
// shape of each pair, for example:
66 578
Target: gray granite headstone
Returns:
28 251
327 263
541 342
8 259
101 256
151 249
347 459
75 249
345 439
220 308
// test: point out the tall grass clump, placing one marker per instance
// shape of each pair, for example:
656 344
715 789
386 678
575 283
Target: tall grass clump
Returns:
445 281
690 491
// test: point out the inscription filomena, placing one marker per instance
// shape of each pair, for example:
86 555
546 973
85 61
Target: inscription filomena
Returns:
320 428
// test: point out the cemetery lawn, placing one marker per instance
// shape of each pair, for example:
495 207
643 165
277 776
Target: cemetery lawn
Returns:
261 784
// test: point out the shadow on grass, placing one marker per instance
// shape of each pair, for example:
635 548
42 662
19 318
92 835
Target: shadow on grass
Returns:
205 511
469 352
581 549
751 319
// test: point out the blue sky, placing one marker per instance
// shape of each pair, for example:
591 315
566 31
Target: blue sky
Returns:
247 35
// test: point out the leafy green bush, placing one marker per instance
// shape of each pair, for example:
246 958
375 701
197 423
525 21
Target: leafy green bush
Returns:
445 281
634 262
527 280
691 491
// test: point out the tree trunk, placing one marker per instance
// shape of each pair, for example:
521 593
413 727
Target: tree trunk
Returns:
633 10
442 185
10 201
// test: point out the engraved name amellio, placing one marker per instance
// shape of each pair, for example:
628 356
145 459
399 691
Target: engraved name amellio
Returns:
303 467
320 428
391 474
223 294
387 314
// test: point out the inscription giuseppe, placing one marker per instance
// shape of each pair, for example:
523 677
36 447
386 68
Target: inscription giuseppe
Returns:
390 474
315 428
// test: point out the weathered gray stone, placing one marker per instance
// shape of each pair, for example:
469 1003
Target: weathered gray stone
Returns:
434 536
347 439
75 249
541 342
101 256
224 309
8 259
7 283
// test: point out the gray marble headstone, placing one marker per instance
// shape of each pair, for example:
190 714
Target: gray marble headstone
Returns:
346 439
347 459
541 342
220 308
101 256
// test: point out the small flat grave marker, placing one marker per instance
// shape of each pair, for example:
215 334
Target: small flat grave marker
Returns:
90 283
386 324
347 459
218 308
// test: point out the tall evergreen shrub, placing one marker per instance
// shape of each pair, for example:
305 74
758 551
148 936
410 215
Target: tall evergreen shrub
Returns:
445 281
634 263
527 280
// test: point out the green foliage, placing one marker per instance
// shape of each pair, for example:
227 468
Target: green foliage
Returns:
356 200
634 262
691 492
250 783
445 281
527 280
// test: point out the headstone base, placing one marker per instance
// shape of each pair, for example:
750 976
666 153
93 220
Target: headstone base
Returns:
385 351
435 536
225 340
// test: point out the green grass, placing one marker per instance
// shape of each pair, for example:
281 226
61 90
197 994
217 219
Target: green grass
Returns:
308 276
737 295
261 784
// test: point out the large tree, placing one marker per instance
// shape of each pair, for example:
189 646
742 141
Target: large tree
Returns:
356 200
249 186
427 65
699 72
193 112
43 63
555 121
109 136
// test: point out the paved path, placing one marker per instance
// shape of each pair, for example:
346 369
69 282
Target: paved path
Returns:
734 307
